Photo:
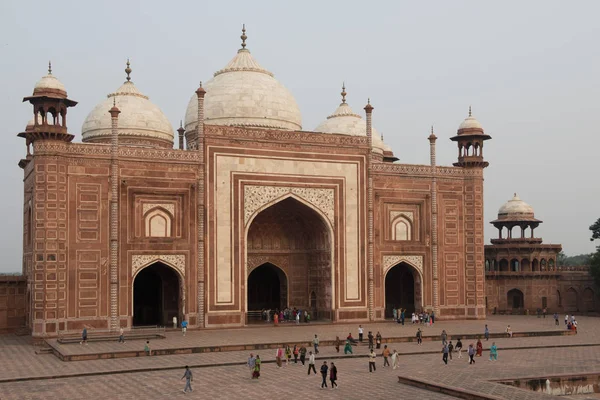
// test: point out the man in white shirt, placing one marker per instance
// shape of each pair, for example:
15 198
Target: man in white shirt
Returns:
372 356
360 333
311 363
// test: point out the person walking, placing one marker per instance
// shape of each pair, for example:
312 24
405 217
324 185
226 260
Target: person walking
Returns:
298 318
471 353
459 348
84 336
479 348
251 363
278 355
337 344
544 312
316 344
121 336
419 337
432 318
174 322
486 333
385 354
444 336
302 354
378 339
296 351
370 337
184 325
445 353
493 352
395 314
333 375
395 359
188 379
566 319
348 347
360 333
372 357
556 319
257 362
311 363
147 349
402 316
324 369
450 349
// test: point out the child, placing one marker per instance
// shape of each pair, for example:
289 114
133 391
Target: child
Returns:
147 348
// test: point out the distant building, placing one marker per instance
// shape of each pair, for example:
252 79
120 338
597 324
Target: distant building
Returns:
522 272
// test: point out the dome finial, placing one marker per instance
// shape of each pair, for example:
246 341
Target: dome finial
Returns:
243 37
128 70
343 93
49 67
470 114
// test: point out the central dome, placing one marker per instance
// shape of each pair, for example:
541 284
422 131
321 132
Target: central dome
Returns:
245 94
515 209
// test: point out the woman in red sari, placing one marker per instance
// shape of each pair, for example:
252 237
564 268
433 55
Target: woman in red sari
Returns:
479 348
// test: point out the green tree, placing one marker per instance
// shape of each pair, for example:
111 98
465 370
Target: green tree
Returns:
595 260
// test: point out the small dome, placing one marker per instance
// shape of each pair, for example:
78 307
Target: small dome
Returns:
344 121
50 86
515 209
140 120
470 125
245 94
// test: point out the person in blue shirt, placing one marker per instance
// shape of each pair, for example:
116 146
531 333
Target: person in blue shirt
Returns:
184 325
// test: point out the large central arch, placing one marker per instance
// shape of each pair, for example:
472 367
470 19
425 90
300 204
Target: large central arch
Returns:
156 295
297 239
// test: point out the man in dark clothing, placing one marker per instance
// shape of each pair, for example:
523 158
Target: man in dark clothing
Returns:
445 353
471 353
302 354
188 379
450 349
324 369
333 375
370 336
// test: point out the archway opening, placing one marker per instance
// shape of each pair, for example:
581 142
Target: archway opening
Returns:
515 299
571 303
297 239
156 297
588 300
402 289
267 288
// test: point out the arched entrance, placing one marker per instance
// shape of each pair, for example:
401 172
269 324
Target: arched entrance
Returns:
571 303
297 239
588 300
515 299
267 288
402 289
156 297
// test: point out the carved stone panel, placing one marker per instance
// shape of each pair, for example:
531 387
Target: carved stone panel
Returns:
170 207
139 261
390 260
257 196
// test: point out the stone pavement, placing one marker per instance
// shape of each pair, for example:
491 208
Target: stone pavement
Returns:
158 377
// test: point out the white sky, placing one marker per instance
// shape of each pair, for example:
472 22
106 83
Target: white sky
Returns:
530 69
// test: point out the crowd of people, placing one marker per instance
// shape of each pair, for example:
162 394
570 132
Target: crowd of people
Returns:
285 315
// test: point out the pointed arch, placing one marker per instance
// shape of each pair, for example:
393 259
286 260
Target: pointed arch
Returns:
401 228
158 223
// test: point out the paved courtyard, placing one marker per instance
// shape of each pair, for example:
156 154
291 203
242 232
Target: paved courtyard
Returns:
223 375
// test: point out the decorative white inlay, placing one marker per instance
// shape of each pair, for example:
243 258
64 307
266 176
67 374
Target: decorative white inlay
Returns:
170 207
407 214
141 260
257 196
390 260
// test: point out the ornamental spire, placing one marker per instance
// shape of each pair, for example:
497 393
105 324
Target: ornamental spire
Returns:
128 70
243 37
49 67
343 93
470 114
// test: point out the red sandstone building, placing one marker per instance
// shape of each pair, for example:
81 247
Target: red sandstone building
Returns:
250 211
522 273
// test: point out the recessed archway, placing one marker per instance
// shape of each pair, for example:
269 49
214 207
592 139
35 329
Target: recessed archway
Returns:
402 289
267 288
515 299
156 295
299 238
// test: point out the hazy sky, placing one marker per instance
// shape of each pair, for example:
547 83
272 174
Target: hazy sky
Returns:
530 69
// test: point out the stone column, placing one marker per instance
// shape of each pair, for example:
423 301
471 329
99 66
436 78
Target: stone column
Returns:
434 224
114 218
200 202
181 131
370 250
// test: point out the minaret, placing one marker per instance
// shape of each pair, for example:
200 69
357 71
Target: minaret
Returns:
114 215
181 131
50 103
370 250
434 223
200 92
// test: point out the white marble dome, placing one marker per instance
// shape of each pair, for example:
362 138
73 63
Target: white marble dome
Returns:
515 208
49 82
344 121
470 123
139 117
245 94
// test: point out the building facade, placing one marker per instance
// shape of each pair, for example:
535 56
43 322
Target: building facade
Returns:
248 212
522 273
